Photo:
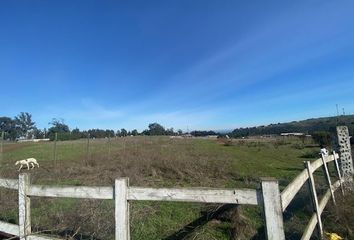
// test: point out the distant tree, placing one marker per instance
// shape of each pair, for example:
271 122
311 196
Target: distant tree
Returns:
145 132
58 126
156 129
170 132
24 124
203 133
135 132
323 138
179 132
37 133
109 133
8 125
123 132
118 133
76 134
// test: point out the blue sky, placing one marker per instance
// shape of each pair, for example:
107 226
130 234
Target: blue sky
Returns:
184 64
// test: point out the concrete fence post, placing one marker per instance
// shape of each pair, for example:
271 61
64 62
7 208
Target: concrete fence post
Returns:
24 202
121 209
346 160
272 210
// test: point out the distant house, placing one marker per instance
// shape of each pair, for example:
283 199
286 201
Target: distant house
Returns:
294 134
268 136
187 135
34 140
212 136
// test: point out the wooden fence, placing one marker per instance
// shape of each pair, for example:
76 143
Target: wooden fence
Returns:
268 196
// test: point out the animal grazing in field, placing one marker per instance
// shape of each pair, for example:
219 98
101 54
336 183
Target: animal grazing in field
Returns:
23 163
33 162
26 162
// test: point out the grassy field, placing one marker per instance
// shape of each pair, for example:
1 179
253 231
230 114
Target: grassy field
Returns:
158 162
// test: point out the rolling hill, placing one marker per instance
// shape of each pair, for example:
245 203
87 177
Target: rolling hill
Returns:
307 126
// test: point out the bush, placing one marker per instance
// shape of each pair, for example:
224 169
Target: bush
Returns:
323 138
298 146
312 154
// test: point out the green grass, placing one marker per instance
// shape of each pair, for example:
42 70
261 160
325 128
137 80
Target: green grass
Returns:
157 162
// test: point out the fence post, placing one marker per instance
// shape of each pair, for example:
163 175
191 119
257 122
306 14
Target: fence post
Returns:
109 147
24 202
87 149
328 177
346 160
272 210
55 150
121 209
311 182
338 172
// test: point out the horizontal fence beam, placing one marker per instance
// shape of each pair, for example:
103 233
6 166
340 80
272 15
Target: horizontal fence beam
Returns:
202 195
321 206
41 237
71 192
9 228
9 183
318 163
294 187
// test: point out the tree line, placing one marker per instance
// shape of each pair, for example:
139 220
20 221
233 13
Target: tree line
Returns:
22 126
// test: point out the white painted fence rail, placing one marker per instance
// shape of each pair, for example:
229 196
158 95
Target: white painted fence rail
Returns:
269 197
293 188
122 194
306 175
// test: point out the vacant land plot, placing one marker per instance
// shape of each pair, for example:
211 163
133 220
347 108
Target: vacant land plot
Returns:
157 162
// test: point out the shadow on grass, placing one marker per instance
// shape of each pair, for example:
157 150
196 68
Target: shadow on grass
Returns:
204 219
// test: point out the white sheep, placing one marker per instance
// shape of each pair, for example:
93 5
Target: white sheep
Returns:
32 161
26 162
23 163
